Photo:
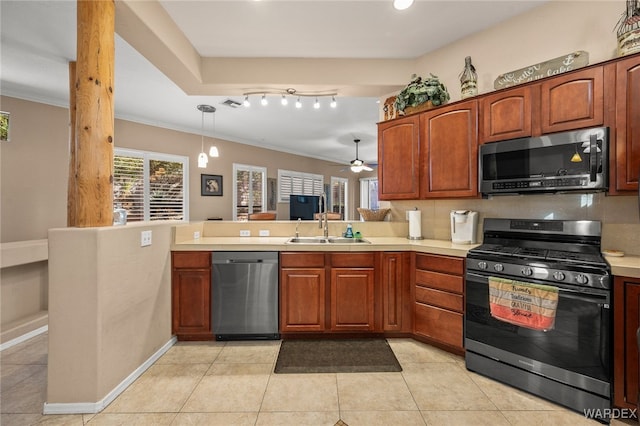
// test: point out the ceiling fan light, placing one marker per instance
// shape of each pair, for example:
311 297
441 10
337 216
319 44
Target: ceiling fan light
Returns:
333 103
246 102
264 101
316 104
213 151
284 101
298 103
356 168
202 160
402 4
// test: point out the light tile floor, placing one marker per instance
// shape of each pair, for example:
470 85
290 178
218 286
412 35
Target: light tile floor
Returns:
231 383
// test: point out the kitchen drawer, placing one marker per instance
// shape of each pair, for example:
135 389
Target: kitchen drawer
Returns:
440 281
440 298
438 324
302 260
191 259
445 264
353 260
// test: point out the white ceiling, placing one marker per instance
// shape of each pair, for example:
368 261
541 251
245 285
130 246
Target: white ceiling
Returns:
38 41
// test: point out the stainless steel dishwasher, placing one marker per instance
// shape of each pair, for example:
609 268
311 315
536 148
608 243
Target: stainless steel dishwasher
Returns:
244 297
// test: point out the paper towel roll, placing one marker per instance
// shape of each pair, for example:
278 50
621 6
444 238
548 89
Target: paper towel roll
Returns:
415 223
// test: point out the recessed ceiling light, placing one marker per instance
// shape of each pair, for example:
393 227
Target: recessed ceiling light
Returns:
402 4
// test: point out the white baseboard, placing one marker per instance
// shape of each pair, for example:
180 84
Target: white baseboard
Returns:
96 407
24 337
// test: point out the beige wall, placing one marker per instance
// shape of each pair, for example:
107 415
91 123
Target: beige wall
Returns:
109 307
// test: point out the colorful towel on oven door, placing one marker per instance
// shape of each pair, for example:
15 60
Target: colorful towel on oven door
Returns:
524 304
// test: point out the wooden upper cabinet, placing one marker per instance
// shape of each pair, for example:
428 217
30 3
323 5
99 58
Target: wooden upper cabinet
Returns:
449 155
572 101
506 115
398 158
627 134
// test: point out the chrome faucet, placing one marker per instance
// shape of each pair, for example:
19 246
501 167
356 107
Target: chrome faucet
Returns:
322 206
298 224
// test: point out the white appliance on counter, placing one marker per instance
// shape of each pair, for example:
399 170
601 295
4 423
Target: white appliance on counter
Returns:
464 226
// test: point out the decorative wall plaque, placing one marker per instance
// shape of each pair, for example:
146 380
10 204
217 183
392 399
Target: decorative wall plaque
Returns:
562 64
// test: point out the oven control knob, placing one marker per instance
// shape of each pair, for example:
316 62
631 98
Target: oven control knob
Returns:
526 271
559 276
581 279
498 267
482 265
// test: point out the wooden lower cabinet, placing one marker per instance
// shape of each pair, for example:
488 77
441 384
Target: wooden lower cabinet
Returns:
439 300
626 369
191 295
302 292
352 299
328 292
395 281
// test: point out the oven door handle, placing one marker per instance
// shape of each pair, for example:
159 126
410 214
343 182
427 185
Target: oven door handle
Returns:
603 296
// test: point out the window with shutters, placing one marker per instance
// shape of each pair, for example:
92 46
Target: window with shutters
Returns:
369 193
298 183
150 186
339 196
249 190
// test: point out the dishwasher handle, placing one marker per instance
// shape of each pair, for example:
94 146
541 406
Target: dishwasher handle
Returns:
243 261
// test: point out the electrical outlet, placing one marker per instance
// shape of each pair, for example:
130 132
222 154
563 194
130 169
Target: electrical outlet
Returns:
245 233
145 238
264 232
196 235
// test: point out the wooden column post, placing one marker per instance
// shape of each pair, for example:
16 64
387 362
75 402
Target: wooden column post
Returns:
71 186
93 203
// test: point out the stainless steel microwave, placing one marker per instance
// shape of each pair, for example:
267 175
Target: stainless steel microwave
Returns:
567 161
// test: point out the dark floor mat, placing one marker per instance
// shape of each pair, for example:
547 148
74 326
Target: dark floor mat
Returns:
336 356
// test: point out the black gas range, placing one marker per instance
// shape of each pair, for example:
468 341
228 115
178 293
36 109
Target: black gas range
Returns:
553 251
568 361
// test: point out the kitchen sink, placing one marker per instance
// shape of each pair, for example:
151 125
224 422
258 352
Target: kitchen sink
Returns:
329 240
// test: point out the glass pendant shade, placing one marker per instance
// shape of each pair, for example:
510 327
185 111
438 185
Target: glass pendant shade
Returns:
402 4
213 152
202 160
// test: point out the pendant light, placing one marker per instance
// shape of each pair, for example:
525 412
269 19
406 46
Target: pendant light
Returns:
203 159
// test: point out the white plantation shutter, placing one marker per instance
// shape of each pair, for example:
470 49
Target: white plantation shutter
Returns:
298 183
128 185
150 186
249 195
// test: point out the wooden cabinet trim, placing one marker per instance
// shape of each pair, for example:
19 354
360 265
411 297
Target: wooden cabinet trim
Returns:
438 263
191 259
439 298
302 259
352 259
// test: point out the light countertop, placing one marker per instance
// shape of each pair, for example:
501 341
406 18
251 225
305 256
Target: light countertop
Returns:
628 266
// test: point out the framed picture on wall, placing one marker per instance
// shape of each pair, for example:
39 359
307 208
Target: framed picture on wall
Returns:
211 185
272 192
4 126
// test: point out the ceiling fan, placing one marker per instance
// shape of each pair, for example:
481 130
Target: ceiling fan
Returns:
358 165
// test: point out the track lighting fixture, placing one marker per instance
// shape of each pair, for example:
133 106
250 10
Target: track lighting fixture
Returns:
285 93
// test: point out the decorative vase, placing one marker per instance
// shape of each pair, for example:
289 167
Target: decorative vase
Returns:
468 79
628 29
